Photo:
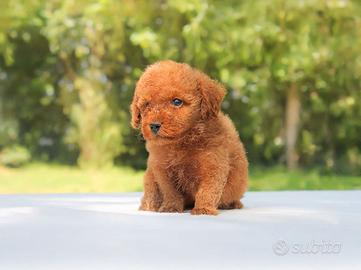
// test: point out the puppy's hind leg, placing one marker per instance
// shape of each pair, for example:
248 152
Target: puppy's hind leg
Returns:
231 205
235 187
152 198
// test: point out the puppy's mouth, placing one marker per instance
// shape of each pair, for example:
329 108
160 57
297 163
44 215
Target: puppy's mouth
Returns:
165 134
165 138
161 136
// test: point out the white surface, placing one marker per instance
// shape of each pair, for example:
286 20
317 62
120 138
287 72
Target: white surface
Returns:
107 232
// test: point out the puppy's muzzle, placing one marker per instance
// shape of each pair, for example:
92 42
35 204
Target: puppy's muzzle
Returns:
155 128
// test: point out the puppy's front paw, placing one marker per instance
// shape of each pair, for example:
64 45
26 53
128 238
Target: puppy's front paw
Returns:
171 208
204 211
149 205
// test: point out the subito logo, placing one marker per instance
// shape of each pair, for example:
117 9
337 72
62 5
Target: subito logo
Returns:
280 248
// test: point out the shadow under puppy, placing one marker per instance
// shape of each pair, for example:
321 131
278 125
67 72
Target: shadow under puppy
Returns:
196 159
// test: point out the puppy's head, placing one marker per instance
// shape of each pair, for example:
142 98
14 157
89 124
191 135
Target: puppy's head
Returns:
170 98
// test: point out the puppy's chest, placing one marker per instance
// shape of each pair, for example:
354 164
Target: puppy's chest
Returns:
183 172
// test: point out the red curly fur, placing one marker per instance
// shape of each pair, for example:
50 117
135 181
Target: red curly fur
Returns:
196 159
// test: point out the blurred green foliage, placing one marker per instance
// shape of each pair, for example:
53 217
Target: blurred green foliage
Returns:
14 156
68 70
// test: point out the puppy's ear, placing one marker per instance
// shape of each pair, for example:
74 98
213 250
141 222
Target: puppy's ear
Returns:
212 94
135 113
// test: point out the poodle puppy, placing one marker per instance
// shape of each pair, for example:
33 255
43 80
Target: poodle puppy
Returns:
196 159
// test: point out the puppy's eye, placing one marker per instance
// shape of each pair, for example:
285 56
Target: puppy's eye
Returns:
177 102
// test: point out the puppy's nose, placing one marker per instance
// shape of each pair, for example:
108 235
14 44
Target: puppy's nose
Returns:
155 127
